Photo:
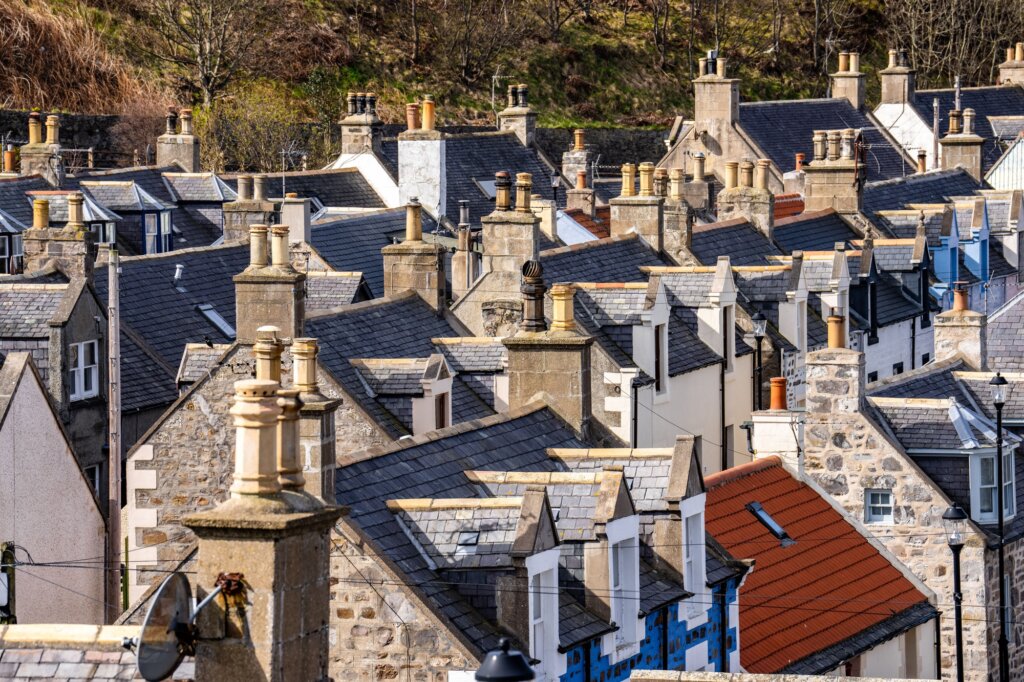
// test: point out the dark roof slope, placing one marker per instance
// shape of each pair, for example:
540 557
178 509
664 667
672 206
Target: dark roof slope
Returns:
928 188
331 187
1003 100
13 199
616 259
816 231
1005 336
737 238
781 129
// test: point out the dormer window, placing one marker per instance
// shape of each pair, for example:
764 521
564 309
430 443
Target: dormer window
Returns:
442 415
801 325
660 358
983 487
694 557
625 588
542 571
104 232
728 337
84 378
157 228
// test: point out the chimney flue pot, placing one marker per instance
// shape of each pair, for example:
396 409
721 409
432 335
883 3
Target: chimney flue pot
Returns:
892 58
186 121
800 156
646 179
836 330
960 297
523 95
702 65
578 140
562 313
720 66
844 62
1019 52
847 138
429 112
628 178
171 122
922 161
778 394
53 129
304 352
819 145
350 101
746 174
40 214
676 178
834 142
855 62
255 412
412 116
698 167
279 256
259 188
968 120
732 174
35 128
76 216
502 191
954 122
464 212
581 179
524 185
413 221
258 246
244 187
761 174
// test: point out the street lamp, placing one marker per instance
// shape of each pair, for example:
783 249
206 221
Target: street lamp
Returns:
955 522
998 384
760 324
504 664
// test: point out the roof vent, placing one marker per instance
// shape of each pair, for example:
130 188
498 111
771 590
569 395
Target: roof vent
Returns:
762 515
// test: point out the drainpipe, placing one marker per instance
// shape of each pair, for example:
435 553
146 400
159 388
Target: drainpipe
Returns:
664 638
721 390
723 655
913 343
636 406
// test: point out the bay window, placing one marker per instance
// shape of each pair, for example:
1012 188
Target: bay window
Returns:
983 487
84 372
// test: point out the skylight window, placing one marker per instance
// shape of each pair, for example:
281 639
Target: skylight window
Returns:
467 542
762 515
215 318
487 187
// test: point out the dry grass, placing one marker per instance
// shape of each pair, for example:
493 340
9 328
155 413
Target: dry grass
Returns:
58 61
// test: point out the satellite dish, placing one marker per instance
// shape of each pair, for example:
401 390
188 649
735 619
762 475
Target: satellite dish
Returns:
167 633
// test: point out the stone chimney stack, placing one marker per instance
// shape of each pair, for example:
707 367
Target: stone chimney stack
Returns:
295 213
581 196
422 159
578 158
835 178
835 381
246 210
316 422
641 213
517 116
179 148
678 219
899 81
962 331
716 99
510 237
1012 70
40 157
71 247
271 294
415 264
848 81
962 146
751 200
465 262
277 628
361 130
551 364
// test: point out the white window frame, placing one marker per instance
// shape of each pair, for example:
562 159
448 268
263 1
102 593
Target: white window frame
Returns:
542 572
661 358
92 475
691 510
5 258
624 543
78 371
728 337
151 232
870 505
165 231
977 461
801 325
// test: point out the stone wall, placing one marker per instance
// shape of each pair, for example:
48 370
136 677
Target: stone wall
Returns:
76 130
610 147
1014 560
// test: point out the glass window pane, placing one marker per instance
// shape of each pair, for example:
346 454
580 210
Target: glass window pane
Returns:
988 471
616 574
988 500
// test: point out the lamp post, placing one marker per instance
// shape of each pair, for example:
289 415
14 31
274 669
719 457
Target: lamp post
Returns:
760 324
504 664
955 522
998 384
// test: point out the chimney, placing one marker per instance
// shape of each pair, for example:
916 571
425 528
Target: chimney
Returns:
716 101
578 158
898 79
180 149
778 394
678 218
415 264
361 130
962 332
962 146
296 215
1012 70
465 263
776 431
642 213
40 157
581 196
271 294
835 381
751 200
922 161
71 248
697 192
834 179
836 330
510 237
421 161
550 364
547 211
247 209
10 166
316 422
848 81
518 117
256 534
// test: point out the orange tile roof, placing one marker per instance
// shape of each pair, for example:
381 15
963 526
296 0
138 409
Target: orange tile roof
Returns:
599 225
829 586
787 205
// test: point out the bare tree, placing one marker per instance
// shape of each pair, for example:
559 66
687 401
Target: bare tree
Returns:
208 43
471 35
661 15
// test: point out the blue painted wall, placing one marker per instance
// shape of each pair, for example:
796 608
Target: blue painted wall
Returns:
587 663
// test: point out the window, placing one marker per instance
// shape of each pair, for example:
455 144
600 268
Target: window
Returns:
537 634
84 379
165 231
92 474
542 606
762 515
872 377
983 487
152 237
801 325
5 268
660 378
926 358
104 233
878 506
216 319
897 368
441 411
693 550
467 543
728 337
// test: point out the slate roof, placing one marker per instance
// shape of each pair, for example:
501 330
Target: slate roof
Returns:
96 655
813 231
935 380
331 187
783 128
58 199
829 587
1005 340
122 196
689 289
976 385
903 224
392 376
26 309
354 243
1006 128
11 225
473 354
736 238
433 467
927 188
399 327
612 303
947 424
145 381
893 304
892 256
767 284
201 187
616 259
13 198
199 359
998 266
986 101
440 531
327 289
477 157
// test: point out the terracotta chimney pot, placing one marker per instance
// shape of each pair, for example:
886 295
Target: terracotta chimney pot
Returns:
40 214
279 256
698 167
720 64
800 156
960 297
675 184
922 161
304 352
1019 52
836 331
429 112
844 62
646 179
413 221
581 179
267 351
578 141
502 191
524 185
747 174
778 394
412 116
255 412
9 159
628 173
53 129
35 128
244 187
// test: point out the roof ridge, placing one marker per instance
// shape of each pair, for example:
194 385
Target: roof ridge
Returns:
583 246
806 215
741 470
362 305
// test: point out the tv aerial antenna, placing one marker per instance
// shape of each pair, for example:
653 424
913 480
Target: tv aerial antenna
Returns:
169 631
